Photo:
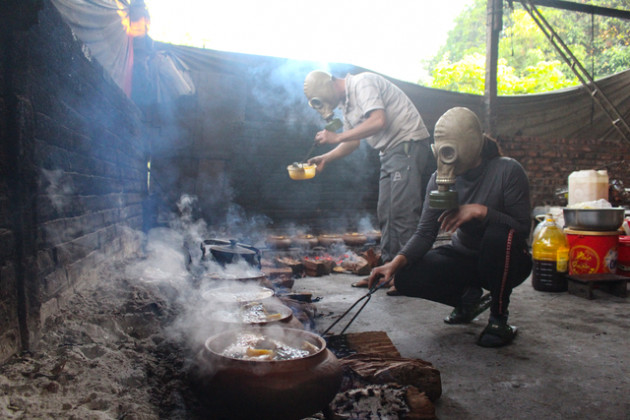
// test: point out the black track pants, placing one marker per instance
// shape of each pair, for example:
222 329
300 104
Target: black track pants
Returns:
444 274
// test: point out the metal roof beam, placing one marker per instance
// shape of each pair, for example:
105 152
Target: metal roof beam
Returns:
584 8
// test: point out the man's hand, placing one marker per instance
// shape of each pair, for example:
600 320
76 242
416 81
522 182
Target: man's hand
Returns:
385 273
327 137
452 219
320 161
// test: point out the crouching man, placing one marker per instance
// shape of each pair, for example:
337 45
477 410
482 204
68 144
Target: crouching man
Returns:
489 221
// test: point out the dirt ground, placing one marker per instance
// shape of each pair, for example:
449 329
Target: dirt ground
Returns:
124 349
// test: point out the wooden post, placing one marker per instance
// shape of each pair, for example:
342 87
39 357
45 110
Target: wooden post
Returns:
494 24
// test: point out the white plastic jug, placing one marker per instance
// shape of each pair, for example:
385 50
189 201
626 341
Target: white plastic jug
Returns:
588 185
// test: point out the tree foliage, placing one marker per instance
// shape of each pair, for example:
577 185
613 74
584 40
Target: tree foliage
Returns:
528 62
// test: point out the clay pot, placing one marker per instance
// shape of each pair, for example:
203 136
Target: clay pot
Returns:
278 241
279 389
354 239
305 241
373 236
328 240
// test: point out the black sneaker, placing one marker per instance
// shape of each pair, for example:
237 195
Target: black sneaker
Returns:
497 333
466 313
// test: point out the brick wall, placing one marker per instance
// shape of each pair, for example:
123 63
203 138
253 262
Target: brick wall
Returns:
549 162
72 177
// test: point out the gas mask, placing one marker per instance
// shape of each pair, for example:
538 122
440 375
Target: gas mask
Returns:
458 142
320 92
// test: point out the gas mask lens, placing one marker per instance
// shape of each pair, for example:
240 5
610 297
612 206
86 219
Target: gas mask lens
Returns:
316 103
447 154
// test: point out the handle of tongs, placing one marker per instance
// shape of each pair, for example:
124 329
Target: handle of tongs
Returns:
365 297
309 151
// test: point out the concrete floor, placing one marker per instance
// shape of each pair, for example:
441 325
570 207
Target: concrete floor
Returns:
571 359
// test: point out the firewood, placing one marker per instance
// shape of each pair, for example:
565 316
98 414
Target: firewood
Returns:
358 265
379 369
317 268
275 272
295 265
372 257
420 406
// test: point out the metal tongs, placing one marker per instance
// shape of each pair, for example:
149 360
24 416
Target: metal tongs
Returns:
308 154
333 125
365 298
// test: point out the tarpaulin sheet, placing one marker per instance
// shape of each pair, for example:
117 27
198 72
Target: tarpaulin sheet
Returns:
567 113
100 25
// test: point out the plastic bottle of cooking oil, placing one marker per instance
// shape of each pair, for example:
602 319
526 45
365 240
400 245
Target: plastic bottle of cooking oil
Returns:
550 252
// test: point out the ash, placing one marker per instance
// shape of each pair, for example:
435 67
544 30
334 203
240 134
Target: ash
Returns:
103 356
372 402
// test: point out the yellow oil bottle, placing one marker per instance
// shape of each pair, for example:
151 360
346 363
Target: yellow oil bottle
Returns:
550 252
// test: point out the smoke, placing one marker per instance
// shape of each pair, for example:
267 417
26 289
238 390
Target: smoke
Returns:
365 225
204 292
59 189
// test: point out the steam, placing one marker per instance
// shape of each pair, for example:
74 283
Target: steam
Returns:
173 261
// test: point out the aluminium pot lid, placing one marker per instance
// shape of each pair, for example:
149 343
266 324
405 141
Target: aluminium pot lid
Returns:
233 248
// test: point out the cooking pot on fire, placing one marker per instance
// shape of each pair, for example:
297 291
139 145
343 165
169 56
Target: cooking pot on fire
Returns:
270 388
227 252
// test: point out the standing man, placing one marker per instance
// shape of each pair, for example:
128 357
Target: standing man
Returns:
376 110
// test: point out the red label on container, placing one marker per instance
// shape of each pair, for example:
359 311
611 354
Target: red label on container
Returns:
585 260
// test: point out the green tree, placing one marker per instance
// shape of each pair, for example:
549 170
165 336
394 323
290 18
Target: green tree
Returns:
528 62
468 76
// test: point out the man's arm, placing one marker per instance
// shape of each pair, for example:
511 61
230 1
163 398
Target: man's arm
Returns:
343 149
375 122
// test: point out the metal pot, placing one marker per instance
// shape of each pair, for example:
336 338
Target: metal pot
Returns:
594 219
274 389
237 294
227 252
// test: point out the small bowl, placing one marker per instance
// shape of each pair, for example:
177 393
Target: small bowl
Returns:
300 171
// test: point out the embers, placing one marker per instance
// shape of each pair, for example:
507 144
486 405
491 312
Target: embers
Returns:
321 261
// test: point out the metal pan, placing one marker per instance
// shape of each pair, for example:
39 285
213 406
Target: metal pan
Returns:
594 219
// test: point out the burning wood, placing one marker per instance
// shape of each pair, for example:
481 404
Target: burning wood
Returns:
279 278
372 257
296 266
317 267
357 265
379 369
